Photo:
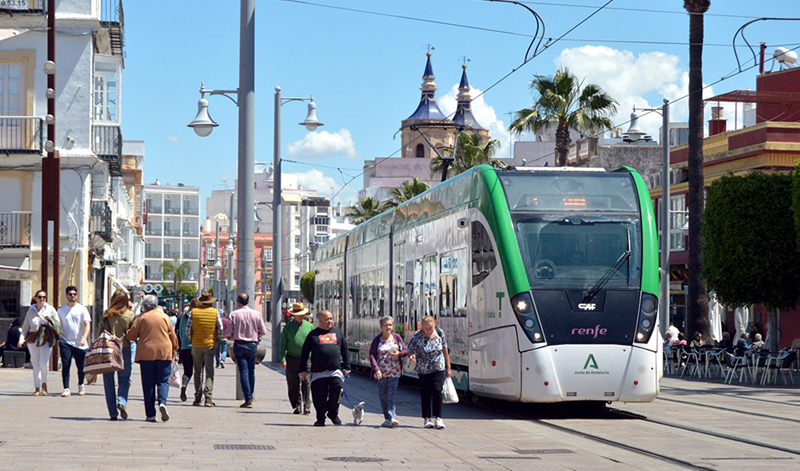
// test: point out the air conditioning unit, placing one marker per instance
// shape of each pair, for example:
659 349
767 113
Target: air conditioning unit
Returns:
655 180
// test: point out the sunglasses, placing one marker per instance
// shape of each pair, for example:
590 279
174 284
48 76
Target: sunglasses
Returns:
72 294
41 297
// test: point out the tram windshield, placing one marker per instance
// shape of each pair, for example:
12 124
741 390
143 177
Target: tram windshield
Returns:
577 230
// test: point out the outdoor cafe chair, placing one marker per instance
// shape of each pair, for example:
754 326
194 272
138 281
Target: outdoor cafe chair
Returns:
740 366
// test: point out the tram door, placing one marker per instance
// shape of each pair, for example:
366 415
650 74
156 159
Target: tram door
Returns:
430 283
417 306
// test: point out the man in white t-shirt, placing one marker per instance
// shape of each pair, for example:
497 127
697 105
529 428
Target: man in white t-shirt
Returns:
75 324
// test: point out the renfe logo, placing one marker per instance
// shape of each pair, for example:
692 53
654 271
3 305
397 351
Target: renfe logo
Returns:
593 331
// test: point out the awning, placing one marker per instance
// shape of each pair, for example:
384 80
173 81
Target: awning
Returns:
13 273
290 198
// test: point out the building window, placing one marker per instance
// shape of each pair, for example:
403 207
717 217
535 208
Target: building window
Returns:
420 151
297 242
106 91
319 239
677 218
297 278
11 92
320 220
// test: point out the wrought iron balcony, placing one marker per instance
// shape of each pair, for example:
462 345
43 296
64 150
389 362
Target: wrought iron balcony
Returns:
21 134
190 255
112 17
15 229
101 223
107 144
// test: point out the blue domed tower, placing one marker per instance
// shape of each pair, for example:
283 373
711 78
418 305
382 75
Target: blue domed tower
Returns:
464 116
429 119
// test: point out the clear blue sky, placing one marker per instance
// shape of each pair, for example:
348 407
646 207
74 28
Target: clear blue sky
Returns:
365 70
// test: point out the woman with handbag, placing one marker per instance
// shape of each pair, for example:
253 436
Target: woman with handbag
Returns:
386 358
118 320
38 317
433 364
156 346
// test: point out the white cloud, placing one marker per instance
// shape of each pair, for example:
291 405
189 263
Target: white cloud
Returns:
326 186
324 144
174 140
641 81
484 114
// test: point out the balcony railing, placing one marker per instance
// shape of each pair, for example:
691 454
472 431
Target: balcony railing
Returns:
152 232
107 144
154 209
16 7
191 255
15 229
112 17
190 233
127 273
21 134
170 210
191 211
152 253
172 233
101 223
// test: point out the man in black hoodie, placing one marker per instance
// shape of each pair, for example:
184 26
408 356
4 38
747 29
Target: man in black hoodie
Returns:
330 365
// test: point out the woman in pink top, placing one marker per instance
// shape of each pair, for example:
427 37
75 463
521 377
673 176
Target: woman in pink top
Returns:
385 357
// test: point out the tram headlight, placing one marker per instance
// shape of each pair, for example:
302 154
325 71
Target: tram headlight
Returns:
648 311
527 317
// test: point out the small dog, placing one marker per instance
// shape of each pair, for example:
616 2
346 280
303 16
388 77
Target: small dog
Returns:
358 413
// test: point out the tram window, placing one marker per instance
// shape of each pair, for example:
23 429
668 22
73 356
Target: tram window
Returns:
483 259
399 283
460 282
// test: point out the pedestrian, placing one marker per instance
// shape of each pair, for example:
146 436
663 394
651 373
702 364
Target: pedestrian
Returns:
385 357
330 365
221 351
293 337
155 349
15 341
185 352
429 345
117 320
39 316
246 327
75 327
204 331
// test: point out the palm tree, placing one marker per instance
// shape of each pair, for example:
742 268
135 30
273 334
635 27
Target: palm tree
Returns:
177 270
697 304
470 152
405 192
566 103
366 209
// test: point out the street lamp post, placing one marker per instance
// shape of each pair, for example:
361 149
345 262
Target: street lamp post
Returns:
203 125
311 123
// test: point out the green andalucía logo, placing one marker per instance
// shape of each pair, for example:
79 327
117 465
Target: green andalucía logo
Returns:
591 363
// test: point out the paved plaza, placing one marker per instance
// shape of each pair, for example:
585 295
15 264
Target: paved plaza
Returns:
74 433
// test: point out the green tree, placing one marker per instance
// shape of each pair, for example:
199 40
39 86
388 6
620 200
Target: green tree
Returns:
565 103
406 191
188 291
307 286
470 152
177 270
750 244
697 302
366 209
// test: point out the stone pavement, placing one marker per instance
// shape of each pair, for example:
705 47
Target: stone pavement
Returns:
75 433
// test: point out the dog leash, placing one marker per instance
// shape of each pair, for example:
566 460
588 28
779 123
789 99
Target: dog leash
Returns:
344 394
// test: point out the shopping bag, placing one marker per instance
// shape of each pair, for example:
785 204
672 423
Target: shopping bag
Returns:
105 355
175 375
449 393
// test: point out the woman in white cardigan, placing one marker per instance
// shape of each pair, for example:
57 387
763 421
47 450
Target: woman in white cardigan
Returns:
37 316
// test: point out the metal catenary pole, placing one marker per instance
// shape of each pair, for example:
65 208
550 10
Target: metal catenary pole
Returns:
277 233
245 273
665 229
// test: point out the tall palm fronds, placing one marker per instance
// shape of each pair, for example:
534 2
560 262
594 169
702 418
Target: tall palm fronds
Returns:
470 152
177 270
565 103
366 209
406 191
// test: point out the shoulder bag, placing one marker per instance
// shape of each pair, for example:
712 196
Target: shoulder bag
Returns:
105 355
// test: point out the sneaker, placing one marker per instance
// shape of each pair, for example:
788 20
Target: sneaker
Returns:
28 366
394 423
319 423
386 423
150 419
247 405
336 420
65 393
81 390
222 365
428 423
164 414
439 423
123 411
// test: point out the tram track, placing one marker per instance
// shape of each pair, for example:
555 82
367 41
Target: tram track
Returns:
748 413
734 395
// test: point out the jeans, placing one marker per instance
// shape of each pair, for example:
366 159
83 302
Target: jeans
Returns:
68 352
296 385
430 391
120 396
203 360
245 353
326 393
155 374
221 351
387 387
39 358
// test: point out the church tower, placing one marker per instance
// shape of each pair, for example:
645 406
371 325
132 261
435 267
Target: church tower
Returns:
464 119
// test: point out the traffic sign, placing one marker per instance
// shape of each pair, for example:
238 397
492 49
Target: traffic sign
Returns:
148 288
158 289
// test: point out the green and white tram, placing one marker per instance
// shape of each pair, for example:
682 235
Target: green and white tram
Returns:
545 281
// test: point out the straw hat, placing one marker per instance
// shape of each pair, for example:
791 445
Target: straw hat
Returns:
298 310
